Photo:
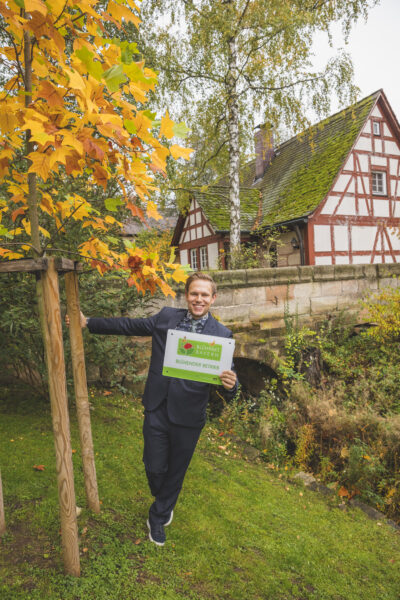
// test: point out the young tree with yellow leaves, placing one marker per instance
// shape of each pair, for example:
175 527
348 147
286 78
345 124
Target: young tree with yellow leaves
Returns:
72 117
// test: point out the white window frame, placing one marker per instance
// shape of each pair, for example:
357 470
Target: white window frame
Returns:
376 128
203 257
193 259
377 189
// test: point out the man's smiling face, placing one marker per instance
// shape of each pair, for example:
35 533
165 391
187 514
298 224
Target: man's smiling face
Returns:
199 298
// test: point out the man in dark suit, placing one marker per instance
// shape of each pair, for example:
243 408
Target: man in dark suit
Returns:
175 409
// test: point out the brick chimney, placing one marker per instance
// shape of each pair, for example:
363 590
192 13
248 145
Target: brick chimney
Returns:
264 146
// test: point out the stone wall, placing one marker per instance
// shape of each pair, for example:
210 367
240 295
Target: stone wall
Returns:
256 299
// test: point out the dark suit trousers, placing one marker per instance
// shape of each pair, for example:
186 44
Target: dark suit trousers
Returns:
168 449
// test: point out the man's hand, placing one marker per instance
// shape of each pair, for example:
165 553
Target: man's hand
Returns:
82 320
228 379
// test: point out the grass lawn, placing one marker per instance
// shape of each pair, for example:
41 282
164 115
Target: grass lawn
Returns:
241 531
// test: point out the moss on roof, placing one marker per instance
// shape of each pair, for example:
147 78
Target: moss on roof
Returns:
214 200
298 178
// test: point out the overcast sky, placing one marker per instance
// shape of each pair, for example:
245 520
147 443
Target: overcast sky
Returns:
375 50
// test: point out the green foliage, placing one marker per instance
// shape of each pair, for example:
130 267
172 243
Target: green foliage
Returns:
384 310
298 341
22 352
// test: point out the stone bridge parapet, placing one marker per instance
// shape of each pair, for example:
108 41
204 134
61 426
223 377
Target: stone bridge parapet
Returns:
254 303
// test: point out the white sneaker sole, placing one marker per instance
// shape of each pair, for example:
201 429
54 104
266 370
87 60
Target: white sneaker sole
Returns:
151 539
170 519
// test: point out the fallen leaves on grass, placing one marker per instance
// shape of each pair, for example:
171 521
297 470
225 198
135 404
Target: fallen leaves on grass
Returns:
38 467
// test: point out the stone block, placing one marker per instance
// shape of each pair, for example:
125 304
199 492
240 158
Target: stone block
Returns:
279 293
370 271
367 285
331 288
323 305
269 324
238 278
262 276
385 282
287 275
350 286
306 273
266 312
348 301
307 290
324 273
388 270
225 297
253 295
348 272
232 313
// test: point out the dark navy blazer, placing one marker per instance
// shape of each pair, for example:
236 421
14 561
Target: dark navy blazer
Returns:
187 400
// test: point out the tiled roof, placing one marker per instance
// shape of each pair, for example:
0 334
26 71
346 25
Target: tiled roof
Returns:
298 178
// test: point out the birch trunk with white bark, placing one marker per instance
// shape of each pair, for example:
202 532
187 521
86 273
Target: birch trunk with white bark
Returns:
234 154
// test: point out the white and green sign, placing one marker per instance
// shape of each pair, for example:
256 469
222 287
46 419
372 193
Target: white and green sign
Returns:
196 356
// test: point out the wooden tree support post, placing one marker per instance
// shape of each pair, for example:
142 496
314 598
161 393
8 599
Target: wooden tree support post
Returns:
59 411
2 517
81 392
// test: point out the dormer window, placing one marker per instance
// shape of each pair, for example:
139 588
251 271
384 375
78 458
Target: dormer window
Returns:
376 128
379 183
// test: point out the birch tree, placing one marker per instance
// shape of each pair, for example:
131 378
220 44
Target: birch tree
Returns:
227 63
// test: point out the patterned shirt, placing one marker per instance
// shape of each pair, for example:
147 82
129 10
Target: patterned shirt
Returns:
190 324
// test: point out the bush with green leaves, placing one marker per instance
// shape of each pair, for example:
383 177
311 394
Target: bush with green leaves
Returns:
21 349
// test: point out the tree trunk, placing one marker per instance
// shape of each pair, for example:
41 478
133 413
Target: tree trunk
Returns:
32 192
60 417
81 392
2 517
234 154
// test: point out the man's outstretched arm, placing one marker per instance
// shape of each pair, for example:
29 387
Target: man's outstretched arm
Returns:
118 325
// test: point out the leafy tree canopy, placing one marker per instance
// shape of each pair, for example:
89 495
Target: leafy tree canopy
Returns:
75 128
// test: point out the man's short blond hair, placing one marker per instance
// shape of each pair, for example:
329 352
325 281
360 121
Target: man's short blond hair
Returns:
203 277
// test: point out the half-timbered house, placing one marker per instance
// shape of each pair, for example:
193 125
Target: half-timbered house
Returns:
332 192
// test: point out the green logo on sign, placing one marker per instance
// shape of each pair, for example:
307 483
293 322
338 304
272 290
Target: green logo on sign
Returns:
210 351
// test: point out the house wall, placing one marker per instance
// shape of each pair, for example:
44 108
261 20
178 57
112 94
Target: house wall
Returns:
198 233
355 224
287 255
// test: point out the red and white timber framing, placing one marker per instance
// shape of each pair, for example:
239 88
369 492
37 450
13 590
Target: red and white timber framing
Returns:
354 223
199 244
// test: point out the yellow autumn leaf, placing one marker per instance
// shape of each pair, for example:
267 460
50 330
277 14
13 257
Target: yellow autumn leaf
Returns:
76 81
36 5
119 11
44 231
167 127
27 226
152 211
179 152
179 275
40 164
8 121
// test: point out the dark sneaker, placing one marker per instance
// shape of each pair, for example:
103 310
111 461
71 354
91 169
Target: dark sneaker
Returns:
156 533
171 516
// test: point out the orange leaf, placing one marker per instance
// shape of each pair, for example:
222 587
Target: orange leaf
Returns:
49 92
135 210
38 467
18 211
343 492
